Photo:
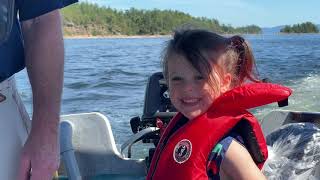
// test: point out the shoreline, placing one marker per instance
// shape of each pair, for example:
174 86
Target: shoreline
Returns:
282 33
115 36
162 36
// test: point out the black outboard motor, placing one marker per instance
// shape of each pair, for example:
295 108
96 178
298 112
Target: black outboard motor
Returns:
157 97
157 108
157 105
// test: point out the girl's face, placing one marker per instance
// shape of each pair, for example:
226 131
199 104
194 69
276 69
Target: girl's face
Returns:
190 92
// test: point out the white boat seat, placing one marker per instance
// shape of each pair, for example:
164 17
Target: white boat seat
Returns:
88 148
275 119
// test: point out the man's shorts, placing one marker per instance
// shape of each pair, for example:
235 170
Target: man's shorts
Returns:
14 127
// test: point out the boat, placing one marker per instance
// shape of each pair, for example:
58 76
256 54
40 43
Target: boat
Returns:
88 149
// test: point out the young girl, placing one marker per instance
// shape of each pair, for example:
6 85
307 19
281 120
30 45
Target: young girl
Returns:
212 136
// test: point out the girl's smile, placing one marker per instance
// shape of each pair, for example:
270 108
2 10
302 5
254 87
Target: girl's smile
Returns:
190 93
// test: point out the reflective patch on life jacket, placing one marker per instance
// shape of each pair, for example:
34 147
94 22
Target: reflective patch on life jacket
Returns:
182 151
6 19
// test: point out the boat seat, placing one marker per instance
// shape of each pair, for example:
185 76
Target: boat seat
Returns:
88 148
275 119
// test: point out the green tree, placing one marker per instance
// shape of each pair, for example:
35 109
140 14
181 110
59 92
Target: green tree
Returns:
91 19
306 27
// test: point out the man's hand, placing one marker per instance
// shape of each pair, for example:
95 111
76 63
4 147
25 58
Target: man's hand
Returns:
44 54
41 153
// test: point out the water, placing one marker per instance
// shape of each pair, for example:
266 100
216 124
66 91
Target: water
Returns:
109 75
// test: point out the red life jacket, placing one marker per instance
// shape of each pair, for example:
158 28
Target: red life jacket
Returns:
183 154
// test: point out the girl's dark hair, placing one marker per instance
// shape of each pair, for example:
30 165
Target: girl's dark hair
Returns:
204 49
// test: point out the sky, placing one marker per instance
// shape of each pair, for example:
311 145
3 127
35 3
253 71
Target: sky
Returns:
264 13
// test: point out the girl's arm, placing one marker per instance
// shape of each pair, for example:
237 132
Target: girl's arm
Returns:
239 165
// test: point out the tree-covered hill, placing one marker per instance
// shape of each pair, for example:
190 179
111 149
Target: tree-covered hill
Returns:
306 27
93 20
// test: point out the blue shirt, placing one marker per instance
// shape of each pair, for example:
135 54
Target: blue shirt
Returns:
218 153
12 51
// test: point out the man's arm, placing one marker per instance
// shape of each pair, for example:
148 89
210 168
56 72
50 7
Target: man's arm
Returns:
44 53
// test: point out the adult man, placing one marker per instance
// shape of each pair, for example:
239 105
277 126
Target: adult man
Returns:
37 43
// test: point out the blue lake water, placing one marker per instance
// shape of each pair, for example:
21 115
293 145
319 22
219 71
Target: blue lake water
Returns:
109 75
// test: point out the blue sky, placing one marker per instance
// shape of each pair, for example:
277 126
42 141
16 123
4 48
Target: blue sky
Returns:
264 13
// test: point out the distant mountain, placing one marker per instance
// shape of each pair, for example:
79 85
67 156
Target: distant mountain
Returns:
272 30
276 29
